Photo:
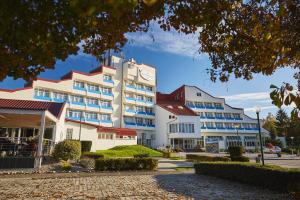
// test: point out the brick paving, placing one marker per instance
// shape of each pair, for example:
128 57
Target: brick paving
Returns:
130 186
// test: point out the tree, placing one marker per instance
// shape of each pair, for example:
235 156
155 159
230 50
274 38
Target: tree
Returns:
282 123
270 125
240 37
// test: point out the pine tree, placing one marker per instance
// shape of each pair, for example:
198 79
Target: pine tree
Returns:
283 122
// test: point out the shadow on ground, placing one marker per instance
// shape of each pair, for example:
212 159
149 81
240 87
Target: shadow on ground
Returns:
205 187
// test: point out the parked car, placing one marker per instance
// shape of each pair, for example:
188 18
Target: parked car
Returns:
274 149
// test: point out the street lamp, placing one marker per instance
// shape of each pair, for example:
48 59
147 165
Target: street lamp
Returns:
292 138
258 110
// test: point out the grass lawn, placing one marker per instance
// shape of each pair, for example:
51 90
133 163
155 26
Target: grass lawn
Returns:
128 151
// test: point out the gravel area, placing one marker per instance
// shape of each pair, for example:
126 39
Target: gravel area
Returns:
135 186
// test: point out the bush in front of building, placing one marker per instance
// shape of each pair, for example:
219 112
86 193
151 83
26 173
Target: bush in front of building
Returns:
121 164
268 176
240 159
67 150
92 155
66 166
202 158
86 146
235 151
88 163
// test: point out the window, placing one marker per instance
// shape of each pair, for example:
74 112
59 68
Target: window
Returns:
42 93
139 86
93 87
91 115
228 125
106 90
182 128
227 115
149 110
236 115
105 104
149 88
209 124
218 105
218 115
219 125
107 77
149 121
149 99
139 109
74 113
198 104
105 117
61 96
209 115
92 101
198 94
139 97
79 84
106 136
69 135
77 99
139 120
208 104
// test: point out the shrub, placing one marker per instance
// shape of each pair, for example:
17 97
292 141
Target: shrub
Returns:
88 163
178 149
142 155
121 164
67 150
86 146
271 177
202 158
65 165
240 158
235 151
93 155
166 154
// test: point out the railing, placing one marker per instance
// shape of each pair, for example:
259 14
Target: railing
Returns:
42 98
79 88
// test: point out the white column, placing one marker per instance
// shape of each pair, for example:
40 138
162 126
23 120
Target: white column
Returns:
19 135
40 141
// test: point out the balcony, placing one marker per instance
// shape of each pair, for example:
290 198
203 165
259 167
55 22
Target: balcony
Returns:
199 107
210 107
78 103
107 94
106 121
149 103
94 91
130 98
210 117
60 100
220 117
76 118
141 89
238 118
79 88
130 111
43 98
150 113
93 105
130 86
92 120
141 112
108 81
107 107
219 107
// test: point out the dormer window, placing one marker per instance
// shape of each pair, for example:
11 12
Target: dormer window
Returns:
198 94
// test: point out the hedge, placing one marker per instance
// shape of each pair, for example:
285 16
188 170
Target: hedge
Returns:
142 155
271 177
86 146
236 151
121 164
240 159
92 155
202 158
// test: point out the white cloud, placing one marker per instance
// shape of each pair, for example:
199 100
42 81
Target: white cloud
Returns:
248 96
262 108
167 41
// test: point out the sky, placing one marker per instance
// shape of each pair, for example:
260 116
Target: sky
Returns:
178 62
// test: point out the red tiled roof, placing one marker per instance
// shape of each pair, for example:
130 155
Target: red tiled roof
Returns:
176 108
52 107
118 131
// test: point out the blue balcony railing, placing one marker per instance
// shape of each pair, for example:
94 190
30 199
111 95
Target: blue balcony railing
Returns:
130 86
210 117
151 125
108 81
209 107
94 91
199 107
130 123
76 118
106 121
43 98
78 103
211 127
59 100
149 102
130 98
106 107
107 94
219 107
130 111
229 118
79 88
239 118
219 117
140 100
93 105
141 112
92 120
150 113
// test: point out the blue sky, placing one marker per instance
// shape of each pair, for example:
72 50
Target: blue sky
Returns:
178 62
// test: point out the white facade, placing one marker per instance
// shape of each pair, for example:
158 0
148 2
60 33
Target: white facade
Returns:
167 136
120 96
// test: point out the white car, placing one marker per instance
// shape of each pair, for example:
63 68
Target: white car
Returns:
275 149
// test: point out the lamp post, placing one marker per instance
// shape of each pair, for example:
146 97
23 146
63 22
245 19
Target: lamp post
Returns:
292 138
258 110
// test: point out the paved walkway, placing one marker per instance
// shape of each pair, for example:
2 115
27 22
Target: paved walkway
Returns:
165 164
134 186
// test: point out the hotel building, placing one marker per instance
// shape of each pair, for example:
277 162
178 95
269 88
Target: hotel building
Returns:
108 104
216 126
